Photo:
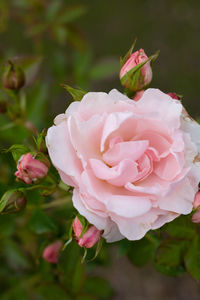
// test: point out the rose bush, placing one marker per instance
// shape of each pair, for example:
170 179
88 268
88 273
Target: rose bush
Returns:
133 165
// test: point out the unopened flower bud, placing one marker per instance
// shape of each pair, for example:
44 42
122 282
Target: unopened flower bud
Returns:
89 238
174 96
196 202
13 77
51 252
30 169
12 202
129 73
196 217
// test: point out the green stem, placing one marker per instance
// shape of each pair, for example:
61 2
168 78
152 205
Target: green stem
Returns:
58 202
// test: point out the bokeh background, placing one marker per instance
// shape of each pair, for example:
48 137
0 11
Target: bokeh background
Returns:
79 43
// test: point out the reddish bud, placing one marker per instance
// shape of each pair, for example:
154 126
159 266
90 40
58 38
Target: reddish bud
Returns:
173 96
13 77
51 252
89 238
30 169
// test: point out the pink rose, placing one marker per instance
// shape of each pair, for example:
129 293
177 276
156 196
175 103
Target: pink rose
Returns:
89 238
146 72
133 165
51 252
30 169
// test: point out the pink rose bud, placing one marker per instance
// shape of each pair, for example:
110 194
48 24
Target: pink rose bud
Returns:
29 169
173 96
196 200
51 252
138 95
89 238
132 82
196 217
77 227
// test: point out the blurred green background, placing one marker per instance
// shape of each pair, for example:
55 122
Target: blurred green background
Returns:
79 43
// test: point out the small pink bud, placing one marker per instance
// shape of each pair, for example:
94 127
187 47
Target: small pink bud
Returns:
173 96
77 227
196 200
138 95
146 71
89 238
51 252
196 217
30 169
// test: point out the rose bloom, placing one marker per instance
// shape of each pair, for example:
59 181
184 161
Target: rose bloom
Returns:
133 165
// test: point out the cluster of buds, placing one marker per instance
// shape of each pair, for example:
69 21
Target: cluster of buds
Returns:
30 169
89 238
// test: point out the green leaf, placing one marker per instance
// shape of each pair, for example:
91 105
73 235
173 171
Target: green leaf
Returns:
78 277
181 228
170 253
141 252
70 14
124 247
17 151
169 258
15 257
77 94
98 287
73 272
60 33
52 10
40 141
170 271
52 292
41 223
192 258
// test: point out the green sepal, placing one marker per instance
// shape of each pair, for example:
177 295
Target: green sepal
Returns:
17 151
128 54
12 201
77 94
